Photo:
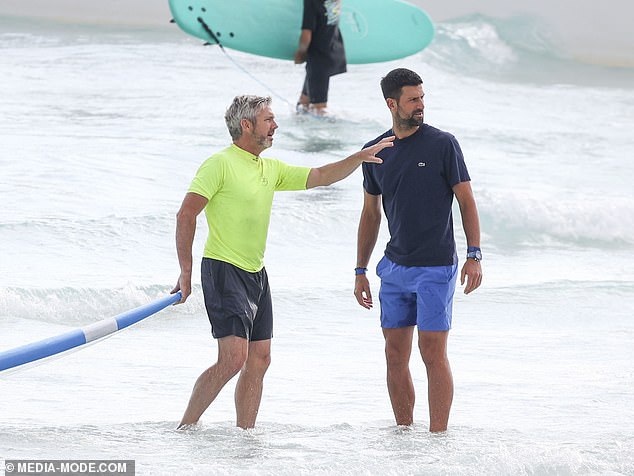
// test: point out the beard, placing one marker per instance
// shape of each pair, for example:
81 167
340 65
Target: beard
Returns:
409 122
262 140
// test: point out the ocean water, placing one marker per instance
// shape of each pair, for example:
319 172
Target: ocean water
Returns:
102 129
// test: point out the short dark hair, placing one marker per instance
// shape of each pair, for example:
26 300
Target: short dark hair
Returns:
393 81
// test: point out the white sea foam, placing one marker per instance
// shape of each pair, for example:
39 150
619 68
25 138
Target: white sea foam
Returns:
101 132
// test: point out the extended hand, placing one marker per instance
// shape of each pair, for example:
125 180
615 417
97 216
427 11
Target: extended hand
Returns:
369 153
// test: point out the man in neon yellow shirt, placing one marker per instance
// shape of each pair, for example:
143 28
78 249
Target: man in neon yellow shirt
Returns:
235 187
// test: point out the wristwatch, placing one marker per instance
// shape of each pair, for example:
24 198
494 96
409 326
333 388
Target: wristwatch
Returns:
473 252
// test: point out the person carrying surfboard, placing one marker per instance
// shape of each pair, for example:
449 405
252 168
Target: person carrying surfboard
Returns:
321 47
235 188
416 184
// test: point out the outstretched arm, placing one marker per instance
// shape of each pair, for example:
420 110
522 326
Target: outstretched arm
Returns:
369 225
472 269
331 173
192 205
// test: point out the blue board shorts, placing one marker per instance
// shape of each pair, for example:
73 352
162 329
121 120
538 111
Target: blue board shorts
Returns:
238 302
412 295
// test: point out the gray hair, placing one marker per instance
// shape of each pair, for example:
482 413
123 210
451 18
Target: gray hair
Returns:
244 107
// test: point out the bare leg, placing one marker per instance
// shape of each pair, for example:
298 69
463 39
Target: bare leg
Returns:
398 347
433 349
304 100
249 388
302 103
232 354
319 108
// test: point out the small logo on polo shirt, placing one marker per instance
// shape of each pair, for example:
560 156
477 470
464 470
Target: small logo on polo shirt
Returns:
422 164
264 181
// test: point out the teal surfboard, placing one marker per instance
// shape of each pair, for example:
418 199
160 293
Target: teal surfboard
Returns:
373 30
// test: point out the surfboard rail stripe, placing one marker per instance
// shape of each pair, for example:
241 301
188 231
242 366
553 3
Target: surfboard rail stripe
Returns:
69 340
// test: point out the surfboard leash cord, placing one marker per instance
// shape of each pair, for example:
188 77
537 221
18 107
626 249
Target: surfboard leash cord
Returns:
215 39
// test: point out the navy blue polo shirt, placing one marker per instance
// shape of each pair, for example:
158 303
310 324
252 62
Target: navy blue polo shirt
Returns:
415 181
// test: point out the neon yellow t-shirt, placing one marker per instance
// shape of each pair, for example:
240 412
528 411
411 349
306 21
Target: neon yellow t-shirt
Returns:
240 188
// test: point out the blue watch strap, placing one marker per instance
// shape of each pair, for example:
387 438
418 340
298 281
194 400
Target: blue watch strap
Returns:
473 252
358 271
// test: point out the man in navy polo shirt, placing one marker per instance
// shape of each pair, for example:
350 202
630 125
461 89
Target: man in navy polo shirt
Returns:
416 184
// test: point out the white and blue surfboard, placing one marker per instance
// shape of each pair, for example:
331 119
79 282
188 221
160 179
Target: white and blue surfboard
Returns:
28 353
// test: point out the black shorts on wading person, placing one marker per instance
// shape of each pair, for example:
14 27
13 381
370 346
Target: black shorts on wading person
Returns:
326 55
238 302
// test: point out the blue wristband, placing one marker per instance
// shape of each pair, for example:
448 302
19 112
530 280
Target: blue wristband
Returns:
358 271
